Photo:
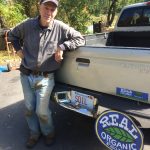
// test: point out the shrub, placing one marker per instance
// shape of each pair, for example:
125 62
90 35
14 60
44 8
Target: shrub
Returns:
11 14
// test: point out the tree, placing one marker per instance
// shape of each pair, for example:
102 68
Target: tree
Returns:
78 14
30 6
74 13
10 14
111 12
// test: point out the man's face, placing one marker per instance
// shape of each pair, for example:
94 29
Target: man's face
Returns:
48 12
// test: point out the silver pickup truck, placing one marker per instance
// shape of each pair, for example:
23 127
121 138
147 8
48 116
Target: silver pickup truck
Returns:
112 71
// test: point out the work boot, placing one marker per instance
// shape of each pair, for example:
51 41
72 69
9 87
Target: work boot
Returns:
32 141
49 139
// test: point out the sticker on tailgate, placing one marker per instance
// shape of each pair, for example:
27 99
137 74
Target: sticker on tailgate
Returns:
132 94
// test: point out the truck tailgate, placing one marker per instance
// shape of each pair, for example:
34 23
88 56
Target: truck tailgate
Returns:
109 70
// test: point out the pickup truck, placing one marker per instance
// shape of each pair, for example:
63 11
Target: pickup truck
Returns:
112 70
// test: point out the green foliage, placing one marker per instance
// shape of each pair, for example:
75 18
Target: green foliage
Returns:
11 14
2 1
78 14
30 6
74 13
122 3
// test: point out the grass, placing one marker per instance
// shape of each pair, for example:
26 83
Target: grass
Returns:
3 57
6 57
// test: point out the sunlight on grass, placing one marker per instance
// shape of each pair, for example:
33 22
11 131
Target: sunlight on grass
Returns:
5 58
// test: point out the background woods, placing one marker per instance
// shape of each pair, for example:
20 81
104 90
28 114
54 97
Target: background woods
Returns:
79 13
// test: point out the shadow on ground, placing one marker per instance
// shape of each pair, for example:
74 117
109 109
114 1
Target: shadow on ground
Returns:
74 132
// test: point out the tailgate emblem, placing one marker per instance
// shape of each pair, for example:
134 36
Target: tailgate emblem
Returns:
117 131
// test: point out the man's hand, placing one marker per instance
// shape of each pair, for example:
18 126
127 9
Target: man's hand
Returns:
20 54
59 54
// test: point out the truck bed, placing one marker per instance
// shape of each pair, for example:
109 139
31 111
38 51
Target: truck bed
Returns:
129 39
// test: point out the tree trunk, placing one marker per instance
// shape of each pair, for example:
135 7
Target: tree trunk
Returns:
111 13
2 25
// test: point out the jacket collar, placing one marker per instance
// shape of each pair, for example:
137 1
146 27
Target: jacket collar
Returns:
37 24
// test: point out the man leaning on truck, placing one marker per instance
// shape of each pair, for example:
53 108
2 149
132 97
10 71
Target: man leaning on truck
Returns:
44 40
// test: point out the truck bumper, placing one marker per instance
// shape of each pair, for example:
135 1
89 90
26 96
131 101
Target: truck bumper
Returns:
139 112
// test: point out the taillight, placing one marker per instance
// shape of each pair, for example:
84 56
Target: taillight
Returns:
148 3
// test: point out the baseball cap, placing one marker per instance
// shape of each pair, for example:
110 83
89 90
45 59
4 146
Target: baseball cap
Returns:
53 1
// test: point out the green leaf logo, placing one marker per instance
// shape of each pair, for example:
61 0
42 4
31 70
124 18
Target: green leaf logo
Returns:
119 134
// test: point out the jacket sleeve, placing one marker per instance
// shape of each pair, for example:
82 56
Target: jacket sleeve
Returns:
73 38
15 36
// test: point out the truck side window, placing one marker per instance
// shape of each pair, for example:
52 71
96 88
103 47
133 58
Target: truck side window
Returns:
131 17
146 16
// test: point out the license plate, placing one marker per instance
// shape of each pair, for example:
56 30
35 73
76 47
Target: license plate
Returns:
82 100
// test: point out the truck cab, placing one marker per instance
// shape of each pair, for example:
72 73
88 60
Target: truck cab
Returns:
132 28
135 17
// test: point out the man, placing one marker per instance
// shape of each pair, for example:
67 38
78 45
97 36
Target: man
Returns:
44 40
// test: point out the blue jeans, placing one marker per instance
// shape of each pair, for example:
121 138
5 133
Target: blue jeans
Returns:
37 91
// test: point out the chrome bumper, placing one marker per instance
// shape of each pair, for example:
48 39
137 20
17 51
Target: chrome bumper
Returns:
64 100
